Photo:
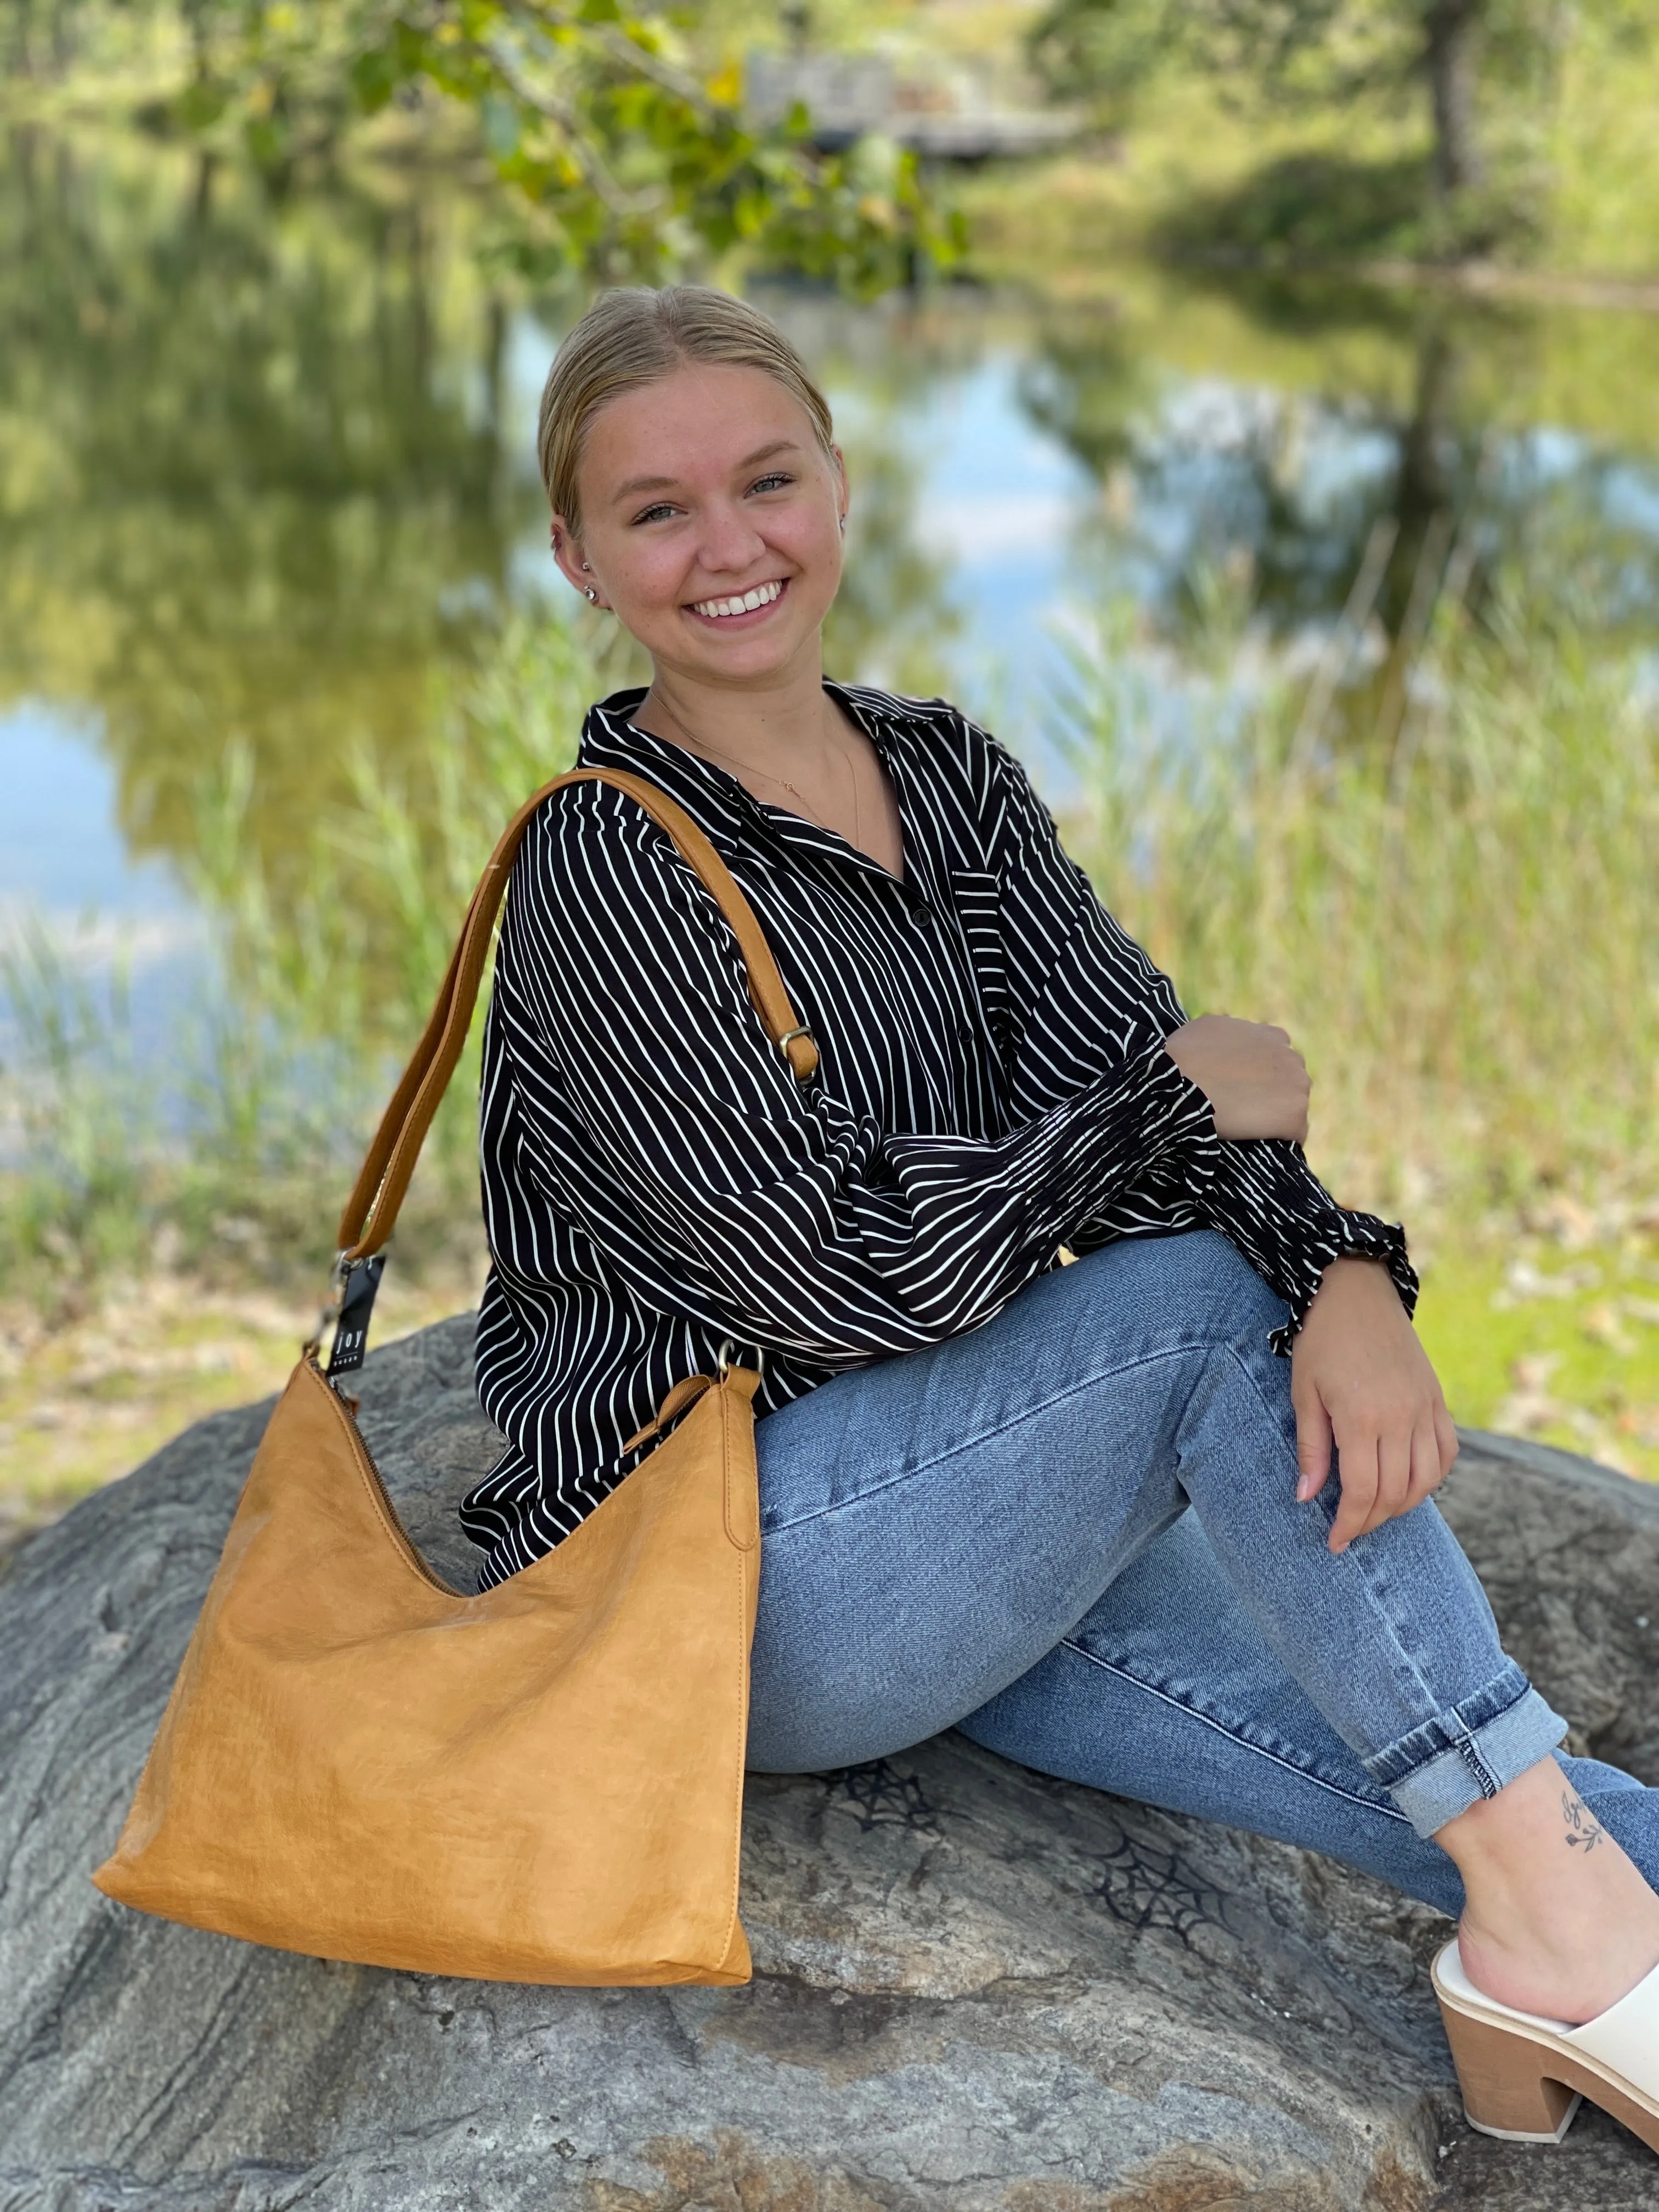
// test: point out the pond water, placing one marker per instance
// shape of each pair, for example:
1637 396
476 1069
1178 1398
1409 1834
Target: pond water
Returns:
266 473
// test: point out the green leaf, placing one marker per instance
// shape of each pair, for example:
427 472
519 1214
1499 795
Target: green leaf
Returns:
201 104
374 80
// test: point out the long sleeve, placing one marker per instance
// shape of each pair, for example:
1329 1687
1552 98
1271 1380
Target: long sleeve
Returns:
717 1186
659 1190
1081 994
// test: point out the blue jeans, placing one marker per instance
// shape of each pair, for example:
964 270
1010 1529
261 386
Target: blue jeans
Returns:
1073 1534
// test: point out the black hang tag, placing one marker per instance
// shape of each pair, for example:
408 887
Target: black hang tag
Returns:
362 1279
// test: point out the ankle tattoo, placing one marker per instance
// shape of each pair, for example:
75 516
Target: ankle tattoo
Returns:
1582 1829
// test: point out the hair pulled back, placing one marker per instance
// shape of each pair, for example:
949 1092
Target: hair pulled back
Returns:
635 335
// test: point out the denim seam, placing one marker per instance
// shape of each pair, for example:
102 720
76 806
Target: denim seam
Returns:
1383 1611
1167 1698
1430 1803
1461 1737
987 1436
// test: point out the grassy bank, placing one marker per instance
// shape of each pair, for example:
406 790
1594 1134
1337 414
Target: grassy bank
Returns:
1222 171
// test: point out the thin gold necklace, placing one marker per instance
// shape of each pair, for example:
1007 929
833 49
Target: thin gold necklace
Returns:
702 744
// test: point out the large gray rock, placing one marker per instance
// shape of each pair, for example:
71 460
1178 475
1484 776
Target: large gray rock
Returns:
976 1989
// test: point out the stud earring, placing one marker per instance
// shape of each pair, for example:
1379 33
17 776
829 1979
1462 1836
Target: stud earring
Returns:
842 520
593 596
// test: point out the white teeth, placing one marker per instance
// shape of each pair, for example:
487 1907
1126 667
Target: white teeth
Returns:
761 596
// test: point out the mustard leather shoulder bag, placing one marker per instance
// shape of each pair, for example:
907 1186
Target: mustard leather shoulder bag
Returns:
541 1782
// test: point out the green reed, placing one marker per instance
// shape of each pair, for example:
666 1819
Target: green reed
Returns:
348 972
81 1116
1441 880
329 958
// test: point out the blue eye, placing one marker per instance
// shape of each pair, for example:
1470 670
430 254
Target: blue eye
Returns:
651 513
768 483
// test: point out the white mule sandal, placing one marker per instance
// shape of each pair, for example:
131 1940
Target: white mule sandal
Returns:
1524 2077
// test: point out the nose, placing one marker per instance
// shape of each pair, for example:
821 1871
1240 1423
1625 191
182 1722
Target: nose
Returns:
728 542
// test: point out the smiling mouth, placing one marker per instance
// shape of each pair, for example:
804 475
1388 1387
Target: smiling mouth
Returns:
741 603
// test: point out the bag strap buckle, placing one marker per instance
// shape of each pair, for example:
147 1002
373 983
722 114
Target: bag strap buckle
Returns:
798 1065
352 1286
329 1312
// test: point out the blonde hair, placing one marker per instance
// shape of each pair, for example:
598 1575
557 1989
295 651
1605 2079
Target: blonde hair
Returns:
634 336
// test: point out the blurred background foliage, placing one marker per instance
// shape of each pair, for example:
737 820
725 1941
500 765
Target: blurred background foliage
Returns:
1283 482
1516 133
619 134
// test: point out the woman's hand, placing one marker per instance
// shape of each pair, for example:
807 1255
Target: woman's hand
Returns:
1253 1076
1359 1375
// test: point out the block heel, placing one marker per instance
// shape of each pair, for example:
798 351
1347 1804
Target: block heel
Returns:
1507 2088
1524 2077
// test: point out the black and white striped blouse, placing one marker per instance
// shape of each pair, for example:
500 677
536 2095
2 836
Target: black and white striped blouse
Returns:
992 1085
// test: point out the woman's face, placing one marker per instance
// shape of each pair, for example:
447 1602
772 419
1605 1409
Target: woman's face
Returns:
698 492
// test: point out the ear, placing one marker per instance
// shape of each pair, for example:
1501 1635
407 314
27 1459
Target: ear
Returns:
567 552
843 497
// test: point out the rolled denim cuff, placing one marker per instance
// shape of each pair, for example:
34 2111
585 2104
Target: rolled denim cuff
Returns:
1469 1752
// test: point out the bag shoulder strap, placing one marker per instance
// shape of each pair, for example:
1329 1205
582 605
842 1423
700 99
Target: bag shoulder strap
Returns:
371 1211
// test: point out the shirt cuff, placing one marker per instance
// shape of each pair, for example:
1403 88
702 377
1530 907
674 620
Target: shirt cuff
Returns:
1349 1236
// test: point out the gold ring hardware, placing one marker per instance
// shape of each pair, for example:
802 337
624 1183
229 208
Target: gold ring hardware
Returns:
329 1312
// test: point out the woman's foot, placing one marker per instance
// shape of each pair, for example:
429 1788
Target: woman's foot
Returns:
1558 1921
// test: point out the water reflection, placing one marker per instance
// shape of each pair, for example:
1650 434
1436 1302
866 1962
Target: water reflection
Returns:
254 471
1205 467
268 481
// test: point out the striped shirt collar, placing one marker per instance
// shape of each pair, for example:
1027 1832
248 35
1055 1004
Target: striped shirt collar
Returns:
726 809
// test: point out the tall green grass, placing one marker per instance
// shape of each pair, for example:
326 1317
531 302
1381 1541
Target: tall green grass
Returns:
79 1116
1441 879
238 1149
385 878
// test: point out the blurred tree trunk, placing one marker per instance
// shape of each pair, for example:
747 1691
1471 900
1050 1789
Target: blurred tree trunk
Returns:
1427 484
1451 35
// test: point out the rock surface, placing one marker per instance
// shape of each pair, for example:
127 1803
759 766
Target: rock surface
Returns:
976 1991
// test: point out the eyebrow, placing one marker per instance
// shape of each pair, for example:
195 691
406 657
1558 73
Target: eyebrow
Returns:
636 485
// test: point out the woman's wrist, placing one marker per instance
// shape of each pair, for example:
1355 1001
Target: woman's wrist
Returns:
1255 1080
1353 1267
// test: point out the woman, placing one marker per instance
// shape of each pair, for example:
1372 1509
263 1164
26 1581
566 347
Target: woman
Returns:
1157 1521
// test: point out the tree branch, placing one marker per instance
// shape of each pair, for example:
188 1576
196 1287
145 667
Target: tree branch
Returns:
636 57
617 203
